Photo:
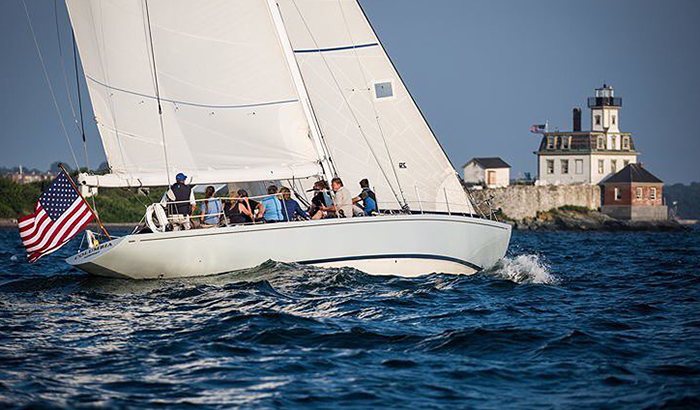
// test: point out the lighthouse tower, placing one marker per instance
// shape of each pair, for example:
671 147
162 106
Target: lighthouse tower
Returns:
605 110
587 157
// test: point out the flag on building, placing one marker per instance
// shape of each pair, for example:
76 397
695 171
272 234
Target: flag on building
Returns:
58 216
538 128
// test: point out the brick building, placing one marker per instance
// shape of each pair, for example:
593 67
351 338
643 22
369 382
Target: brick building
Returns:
634 194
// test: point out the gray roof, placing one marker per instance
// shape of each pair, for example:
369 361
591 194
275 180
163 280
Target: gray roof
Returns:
489 162
581 142
633 173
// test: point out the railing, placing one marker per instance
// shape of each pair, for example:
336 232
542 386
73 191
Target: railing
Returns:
604 101
385 209
418 205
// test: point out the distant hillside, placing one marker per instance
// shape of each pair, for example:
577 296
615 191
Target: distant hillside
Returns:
113 205
688 198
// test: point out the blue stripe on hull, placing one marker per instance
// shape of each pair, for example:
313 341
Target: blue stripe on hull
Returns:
393 256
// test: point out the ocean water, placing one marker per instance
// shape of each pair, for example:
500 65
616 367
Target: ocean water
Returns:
566 320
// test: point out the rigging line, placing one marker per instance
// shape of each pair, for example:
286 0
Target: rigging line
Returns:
352 112
155 79
80 100
315 130
103 67
371 101
63 66
48 82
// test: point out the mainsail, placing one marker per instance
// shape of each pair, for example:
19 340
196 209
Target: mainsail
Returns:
230 111
232 107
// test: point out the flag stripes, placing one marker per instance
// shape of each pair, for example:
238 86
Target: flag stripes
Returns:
58 216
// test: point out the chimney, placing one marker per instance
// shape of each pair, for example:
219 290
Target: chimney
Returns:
577 119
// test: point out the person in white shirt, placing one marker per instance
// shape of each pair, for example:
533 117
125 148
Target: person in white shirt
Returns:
343 200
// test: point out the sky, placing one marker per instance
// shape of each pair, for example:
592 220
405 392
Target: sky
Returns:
482 72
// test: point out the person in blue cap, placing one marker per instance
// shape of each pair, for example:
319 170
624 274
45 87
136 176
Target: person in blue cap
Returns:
180 203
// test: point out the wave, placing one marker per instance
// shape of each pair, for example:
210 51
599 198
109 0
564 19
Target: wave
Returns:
527 268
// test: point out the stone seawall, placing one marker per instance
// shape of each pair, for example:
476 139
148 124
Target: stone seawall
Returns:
524 201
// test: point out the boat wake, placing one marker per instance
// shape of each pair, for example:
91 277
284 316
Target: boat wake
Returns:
526 268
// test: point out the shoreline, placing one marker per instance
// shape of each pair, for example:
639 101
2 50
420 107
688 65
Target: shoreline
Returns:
589 220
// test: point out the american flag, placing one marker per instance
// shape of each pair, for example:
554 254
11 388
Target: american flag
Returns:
59 215
538 128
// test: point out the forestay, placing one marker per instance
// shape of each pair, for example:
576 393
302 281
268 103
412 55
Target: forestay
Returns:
369 121
230 111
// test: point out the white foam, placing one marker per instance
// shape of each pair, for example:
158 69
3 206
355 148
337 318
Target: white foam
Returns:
525 269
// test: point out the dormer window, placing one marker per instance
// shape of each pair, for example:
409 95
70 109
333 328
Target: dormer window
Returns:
566 142
626 143
597 120
550 142
614 118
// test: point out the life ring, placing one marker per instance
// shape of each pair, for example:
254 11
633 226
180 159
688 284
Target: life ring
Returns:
160 217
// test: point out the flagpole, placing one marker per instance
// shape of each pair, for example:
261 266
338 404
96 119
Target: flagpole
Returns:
75 187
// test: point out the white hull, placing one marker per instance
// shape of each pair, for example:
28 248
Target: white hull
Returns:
404 245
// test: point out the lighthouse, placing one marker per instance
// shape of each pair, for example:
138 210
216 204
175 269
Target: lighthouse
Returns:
587 157
605 110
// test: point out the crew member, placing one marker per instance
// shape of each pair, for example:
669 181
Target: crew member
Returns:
180 203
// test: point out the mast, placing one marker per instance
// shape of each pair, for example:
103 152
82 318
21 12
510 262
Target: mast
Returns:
321 149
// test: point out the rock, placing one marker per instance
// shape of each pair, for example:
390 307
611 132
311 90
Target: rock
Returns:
588 220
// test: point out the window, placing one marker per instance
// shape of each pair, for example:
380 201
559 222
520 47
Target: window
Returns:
652 194
618 194
550 166
614 117
564 166
601 166
579 166
383 90
597 120
550 142
566 142
613 141
639 193
601 142
613 166
626 143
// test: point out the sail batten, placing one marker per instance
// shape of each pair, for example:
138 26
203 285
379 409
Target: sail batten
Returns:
337 48
194 104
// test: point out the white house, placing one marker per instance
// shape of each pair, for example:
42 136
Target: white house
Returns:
587 157
492 172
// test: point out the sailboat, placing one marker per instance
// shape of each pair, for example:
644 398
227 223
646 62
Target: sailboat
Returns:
259 91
